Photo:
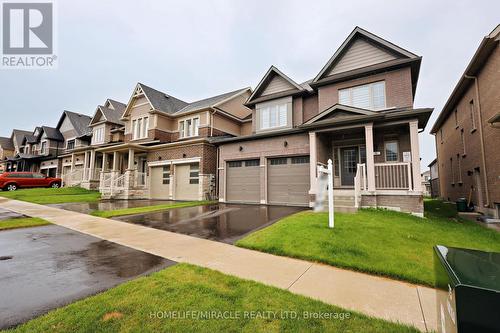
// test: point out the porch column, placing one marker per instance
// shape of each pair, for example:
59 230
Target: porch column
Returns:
104 162
72 162
92 164
115 161
86 166
130 159
370 162
313 162
415 156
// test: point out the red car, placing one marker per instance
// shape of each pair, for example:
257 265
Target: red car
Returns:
11 181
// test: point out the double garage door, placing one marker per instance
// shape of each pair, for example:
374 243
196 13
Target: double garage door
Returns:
287 181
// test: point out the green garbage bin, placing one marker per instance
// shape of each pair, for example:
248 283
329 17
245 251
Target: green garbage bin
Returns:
462 205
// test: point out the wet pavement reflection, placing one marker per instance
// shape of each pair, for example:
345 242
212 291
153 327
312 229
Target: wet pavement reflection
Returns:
6 214
88 207
222 222
47 267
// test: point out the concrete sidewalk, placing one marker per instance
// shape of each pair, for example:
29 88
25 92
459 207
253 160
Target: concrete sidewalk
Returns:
375 296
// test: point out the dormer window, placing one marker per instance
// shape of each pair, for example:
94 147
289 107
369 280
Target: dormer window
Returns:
70 144
98 135
368 96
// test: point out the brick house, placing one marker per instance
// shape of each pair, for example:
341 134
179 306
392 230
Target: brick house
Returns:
357 111
467 132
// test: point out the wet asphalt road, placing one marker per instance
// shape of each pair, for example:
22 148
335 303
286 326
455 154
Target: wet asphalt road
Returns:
52 266
221 222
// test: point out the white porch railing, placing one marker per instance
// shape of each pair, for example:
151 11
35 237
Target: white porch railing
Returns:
393 176
92 174
111 183
360 183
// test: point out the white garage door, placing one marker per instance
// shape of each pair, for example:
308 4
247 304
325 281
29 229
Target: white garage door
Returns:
160 182
187 182
288 180
243 181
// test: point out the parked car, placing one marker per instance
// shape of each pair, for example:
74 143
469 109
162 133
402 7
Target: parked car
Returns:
11 181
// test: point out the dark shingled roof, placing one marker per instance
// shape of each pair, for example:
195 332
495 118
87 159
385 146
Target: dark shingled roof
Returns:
80 122
31 139
112 116
18 136
6 143
161 101
52 133
209 102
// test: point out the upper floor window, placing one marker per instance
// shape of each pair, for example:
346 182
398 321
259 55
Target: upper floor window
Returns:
368 96
70 144
43 147
472 115
98 135
140 128
391 151
189 127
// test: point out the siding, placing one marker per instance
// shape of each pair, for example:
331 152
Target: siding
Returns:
276 85
360 54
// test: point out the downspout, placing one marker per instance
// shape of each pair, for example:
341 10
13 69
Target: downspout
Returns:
483 157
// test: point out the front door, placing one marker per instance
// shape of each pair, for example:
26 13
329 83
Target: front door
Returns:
349 162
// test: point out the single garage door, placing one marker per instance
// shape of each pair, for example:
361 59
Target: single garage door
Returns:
160 182
243 181
187 182
288 180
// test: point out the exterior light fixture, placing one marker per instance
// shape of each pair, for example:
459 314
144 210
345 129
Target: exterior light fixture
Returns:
241 148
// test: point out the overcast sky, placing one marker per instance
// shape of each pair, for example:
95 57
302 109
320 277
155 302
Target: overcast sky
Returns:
195 49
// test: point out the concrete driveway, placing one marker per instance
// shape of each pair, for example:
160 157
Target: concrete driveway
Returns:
43 268
221 222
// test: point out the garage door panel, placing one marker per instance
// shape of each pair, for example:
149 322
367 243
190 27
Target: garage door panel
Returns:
158 190
243 182
289 183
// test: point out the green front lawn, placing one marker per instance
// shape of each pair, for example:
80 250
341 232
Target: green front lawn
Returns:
381 242
148 209
53 195
22 222
184 290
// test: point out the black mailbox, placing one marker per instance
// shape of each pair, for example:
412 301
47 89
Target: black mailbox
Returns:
471 281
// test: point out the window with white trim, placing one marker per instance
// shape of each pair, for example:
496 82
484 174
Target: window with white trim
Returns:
391 151
194 173
368 96
43 147
140 128
472 115
70 144
273 116
189 127
98 135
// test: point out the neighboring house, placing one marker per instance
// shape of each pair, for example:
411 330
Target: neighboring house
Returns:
426 183
14 162
160 146
357 111
434 178
467 132
6 151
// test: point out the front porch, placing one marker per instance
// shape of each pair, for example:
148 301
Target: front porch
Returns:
375 165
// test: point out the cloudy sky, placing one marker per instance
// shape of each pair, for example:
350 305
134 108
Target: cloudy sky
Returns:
195 49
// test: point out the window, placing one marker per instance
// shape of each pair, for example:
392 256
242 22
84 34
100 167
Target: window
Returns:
456 118
70 144
278 161
391 151
38 176
459 163
43 147
452 171
140 128
463 141
362 154
369 96
98 135
194 173
189 127
251 163
300 160
272 116
234 164
472 115
166 175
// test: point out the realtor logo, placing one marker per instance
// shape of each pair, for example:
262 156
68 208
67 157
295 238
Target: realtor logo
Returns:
28 35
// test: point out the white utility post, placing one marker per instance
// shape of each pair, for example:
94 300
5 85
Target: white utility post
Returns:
329 172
